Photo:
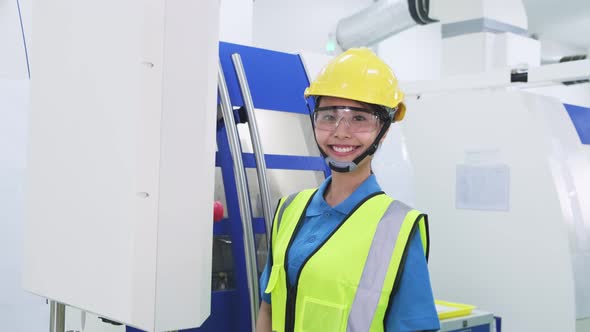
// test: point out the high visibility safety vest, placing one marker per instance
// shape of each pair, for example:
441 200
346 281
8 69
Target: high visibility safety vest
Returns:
348 282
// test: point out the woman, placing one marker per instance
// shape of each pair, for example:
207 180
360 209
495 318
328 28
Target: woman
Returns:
346 257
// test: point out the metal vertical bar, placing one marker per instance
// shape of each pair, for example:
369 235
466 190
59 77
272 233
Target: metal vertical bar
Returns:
256 144
243 201
57 317
60 317
52 316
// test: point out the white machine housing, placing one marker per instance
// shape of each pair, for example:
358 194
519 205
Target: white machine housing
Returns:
503 176
120 172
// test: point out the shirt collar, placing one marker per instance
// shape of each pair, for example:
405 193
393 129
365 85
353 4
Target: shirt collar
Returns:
318 204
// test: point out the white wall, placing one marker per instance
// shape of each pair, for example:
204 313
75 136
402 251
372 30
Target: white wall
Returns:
235 21
293 26
13 64
414 54
19 311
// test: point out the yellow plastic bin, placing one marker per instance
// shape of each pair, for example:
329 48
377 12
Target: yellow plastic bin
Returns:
448 310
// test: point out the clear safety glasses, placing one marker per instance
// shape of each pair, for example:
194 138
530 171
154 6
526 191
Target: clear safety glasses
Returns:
358 120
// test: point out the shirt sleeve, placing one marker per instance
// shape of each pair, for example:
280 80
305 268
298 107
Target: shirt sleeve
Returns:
264 282
413 306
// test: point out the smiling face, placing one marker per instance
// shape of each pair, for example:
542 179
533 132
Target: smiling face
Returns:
341 143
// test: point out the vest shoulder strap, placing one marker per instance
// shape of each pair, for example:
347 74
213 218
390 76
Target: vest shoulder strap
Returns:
284 203
305 194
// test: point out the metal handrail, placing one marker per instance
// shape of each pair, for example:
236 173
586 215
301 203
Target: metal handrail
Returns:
256 144
243 201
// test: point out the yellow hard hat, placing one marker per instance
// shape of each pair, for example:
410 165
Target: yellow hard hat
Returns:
360 75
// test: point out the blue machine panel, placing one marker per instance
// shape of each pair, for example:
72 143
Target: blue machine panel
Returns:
274 161
267 72
581 118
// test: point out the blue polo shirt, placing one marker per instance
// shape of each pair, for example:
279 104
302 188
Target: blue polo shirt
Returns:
413 305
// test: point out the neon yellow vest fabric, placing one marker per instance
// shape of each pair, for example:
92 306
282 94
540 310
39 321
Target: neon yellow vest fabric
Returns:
339 288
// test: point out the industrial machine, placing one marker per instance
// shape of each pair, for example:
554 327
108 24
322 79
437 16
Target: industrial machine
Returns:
502 172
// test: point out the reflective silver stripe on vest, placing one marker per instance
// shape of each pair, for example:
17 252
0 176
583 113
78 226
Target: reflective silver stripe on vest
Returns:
371 283
283 207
